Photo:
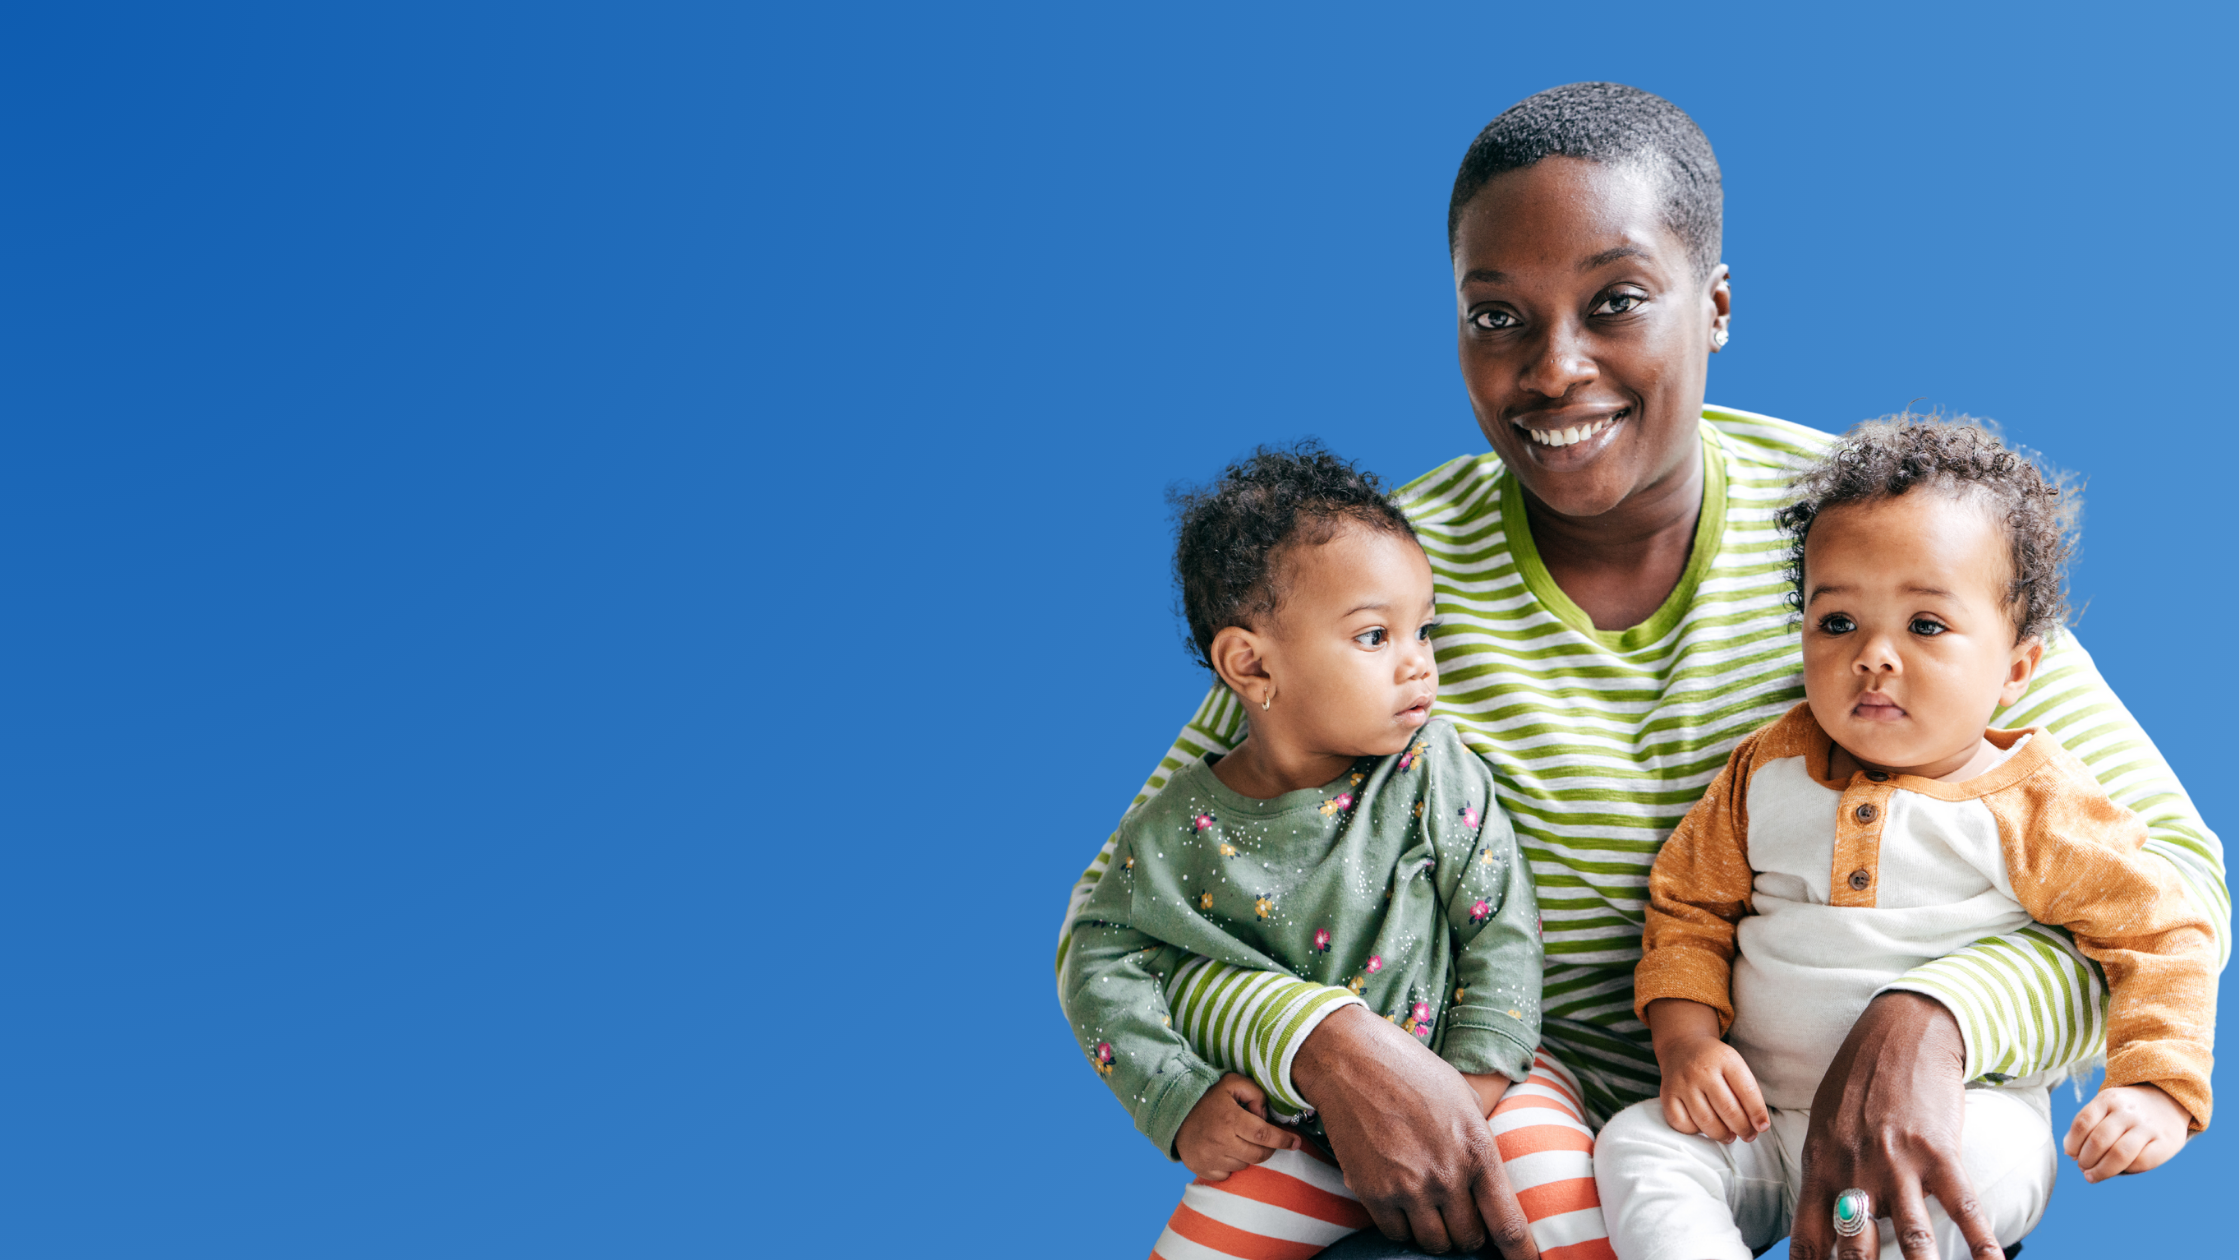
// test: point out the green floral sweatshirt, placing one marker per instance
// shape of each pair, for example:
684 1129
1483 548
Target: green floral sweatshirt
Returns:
1398 880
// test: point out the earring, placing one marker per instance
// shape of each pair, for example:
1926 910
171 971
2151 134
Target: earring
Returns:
1271 699
1718 339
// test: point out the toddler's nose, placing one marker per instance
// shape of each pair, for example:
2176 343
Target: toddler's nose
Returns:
1419 661
1877 655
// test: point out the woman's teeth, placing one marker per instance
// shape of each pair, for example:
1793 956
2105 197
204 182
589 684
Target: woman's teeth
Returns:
1565 437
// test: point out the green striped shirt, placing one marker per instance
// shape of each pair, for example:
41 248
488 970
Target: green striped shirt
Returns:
1601 740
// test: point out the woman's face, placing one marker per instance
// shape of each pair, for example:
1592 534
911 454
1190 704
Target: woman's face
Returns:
1585 332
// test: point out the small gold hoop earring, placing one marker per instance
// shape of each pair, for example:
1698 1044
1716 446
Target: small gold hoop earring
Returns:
1271 699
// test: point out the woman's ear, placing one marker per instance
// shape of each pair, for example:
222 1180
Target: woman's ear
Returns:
1722 306
2021 668
1240 657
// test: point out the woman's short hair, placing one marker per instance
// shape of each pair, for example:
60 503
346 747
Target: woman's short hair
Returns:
1613 124
1959 456
1231 536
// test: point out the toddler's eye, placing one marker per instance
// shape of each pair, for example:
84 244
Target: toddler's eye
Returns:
1370 638
1927 627
1837 623
1424 635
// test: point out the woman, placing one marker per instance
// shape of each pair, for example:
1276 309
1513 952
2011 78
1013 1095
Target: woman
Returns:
1612 622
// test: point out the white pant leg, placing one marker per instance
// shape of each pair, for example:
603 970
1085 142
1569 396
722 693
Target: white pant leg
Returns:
1667 1196
1672 1196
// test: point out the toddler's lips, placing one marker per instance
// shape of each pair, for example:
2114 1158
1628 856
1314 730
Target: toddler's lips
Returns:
1877 708
1418 713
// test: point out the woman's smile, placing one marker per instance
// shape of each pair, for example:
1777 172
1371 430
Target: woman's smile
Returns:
1568 439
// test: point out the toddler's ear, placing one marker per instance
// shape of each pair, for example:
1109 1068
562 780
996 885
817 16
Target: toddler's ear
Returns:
1240 657
2021 668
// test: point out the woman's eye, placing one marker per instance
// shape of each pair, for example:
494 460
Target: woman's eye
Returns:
1617 303
1927 627
1370 638
1837 623
1493 321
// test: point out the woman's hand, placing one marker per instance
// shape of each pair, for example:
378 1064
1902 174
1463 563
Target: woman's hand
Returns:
2126 1129
1706 1087
1886 1120
1228 1131
1412 1137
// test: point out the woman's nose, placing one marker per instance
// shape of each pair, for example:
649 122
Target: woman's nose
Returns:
1559 363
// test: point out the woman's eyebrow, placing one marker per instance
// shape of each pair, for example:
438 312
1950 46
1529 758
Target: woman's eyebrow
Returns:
1613 255
1488 275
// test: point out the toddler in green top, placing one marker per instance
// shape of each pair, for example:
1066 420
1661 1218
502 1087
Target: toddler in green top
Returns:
1351 839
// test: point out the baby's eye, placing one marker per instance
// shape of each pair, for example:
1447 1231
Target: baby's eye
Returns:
1837 623
1424 635
1927 627
1370 638
1493 320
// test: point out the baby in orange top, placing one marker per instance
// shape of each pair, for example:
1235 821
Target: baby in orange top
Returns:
1878 826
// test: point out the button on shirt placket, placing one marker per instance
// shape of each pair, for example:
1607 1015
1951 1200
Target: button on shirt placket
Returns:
1864 809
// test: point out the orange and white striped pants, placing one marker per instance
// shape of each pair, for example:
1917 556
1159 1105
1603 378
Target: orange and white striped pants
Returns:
1296 1203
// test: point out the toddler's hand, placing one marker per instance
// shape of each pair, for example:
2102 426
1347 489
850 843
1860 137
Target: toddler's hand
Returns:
1228 1130
1489 1088
2127 1129
1708 1089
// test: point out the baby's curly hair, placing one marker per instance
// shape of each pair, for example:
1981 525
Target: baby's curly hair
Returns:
1962 456
1230 536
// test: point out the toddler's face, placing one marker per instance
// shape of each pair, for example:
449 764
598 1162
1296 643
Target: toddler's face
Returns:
1908 646
1351 648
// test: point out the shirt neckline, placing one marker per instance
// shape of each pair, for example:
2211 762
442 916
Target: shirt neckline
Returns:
1711 528
1226 797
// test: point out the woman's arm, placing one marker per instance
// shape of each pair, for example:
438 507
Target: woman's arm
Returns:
2004 1037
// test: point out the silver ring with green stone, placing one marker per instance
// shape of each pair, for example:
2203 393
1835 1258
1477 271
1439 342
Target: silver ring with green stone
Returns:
1852 1213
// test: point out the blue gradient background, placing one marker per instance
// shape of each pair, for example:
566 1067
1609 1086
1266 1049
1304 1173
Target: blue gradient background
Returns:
581 579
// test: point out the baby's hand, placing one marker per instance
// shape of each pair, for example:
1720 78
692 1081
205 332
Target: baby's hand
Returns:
1708 1089
2127 1129
1228 1131
1489 1087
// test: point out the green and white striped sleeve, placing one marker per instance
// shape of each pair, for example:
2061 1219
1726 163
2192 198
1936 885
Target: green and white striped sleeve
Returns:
2028 1002
1249 1022
1252 1022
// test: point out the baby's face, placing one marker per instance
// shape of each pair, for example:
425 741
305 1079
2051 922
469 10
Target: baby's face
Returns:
1908 646
1351 646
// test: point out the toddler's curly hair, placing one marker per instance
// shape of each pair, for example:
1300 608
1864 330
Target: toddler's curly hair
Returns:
1961 456
1231 536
